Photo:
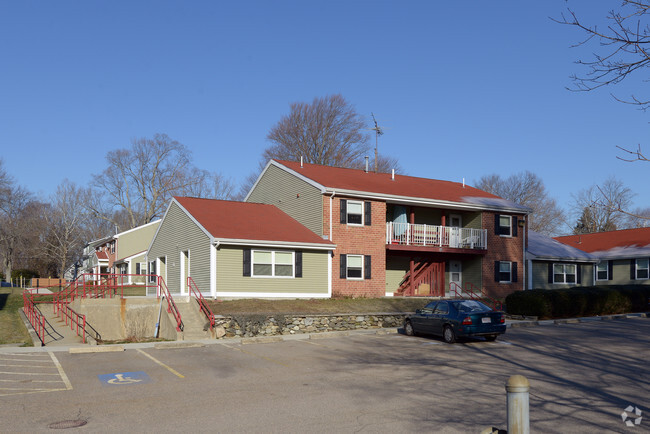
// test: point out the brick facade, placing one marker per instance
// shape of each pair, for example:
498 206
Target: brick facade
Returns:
502 248
362 240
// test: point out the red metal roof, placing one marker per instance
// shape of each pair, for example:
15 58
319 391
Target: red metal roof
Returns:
402 185
601 241
225 219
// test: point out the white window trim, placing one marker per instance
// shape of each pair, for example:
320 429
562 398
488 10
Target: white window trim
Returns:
636 270
565 274
273 276
505 235
347 213
347 267
606 271
509 271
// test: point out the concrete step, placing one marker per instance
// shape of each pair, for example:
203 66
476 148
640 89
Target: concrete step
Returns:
194 321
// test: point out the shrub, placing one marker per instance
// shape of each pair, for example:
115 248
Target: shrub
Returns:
579 301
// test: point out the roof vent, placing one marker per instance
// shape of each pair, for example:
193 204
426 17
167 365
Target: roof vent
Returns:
301 161
392 177
366 164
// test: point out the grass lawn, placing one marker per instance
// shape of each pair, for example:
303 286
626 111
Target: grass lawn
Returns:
12 329
318 306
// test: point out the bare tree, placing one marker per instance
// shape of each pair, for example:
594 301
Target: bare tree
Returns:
141 180
15 219
328 131
66 219
637 218
527 189
624 42
599 207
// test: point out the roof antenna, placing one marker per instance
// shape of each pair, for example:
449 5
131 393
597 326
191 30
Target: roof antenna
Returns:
378 132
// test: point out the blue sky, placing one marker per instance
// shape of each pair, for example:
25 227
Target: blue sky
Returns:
463 89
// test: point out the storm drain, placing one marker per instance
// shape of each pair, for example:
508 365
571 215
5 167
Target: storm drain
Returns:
65 424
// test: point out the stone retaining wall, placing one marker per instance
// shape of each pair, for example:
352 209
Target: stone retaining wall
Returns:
271 325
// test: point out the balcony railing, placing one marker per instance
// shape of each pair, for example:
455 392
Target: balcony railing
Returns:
440 236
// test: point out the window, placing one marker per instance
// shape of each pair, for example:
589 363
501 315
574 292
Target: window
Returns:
505 225
152 272
505 271
642 269
272 263
602 271
356 267
113 247
564 273
355 212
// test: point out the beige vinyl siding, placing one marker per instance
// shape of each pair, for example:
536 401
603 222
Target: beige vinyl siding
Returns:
472 272
540 276
472 220
179 233
136 241
396 269
230 260
292 195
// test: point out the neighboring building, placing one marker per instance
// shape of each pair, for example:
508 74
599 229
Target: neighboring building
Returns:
401 235
95 258
623 256
237 249
131 249
553 265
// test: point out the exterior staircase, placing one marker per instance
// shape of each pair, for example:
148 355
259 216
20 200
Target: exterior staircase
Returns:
195 324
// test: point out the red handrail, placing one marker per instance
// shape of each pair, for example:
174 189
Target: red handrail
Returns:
171 306
34 315
203 305
470 292
66 313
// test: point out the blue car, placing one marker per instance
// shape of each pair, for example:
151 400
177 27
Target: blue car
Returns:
453 319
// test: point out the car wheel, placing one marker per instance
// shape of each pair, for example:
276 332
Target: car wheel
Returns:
449 335
491 338
408 329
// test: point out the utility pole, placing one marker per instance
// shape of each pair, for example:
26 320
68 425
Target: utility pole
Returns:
378 132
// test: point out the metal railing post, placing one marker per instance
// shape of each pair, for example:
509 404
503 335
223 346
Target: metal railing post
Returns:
517 389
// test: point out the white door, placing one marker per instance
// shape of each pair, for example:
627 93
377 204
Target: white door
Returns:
455 223
185 271
456 273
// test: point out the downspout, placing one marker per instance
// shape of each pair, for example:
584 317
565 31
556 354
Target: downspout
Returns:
331 203
525 229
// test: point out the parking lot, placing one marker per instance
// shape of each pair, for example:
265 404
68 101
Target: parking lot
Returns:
583 376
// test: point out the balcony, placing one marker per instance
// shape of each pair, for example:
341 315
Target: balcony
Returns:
407 234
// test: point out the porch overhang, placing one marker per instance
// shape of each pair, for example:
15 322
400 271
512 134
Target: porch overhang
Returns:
433 249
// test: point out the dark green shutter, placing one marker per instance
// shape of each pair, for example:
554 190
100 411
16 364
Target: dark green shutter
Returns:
550 272
496 271
632 269
513 222
497 224
367 267
578 274
247 262
368 215
298 260
344 211
343 267
513 271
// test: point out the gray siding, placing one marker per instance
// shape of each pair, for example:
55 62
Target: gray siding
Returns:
230 276
179 233
540 276
621 275
292 195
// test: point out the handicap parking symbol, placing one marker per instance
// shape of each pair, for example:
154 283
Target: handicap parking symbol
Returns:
124 378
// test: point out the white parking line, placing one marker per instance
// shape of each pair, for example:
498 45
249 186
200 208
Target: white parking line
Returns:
29 377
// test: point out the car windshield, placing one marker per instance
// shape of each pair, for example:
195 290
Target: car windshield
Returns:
470 306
